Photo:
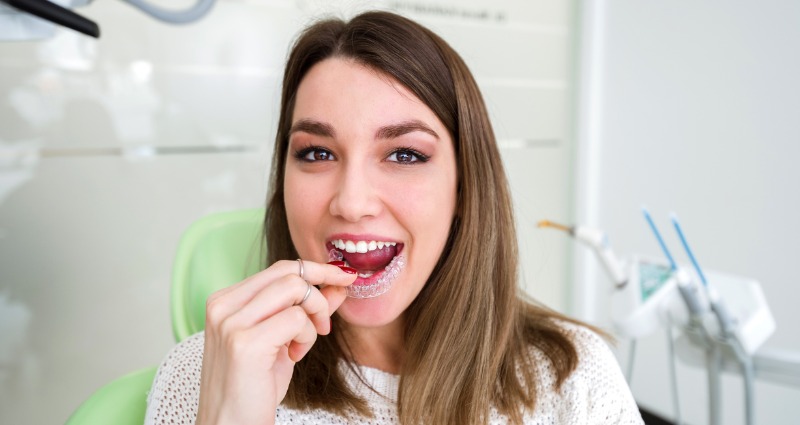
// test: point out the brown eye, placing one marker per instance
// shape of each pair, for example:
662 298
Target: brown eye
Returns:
313 154
320 155
406 156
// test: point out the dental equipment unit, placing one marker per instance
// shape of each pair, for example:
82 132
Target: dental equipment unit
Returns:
724 319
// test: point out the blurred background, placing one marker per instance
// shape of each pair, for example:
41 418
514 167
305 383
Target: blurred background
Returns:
110 148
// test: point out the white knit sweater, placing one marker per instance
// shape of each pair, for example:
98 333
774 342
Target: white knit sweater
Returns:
595 393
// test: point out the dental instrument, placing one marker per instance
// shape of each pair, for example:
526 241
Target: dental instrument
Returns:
642 284
52 12
16 22
599 243
729 336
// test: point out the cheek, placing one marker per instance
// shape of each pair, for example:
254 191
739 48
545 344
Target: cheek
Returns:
305 202
427 206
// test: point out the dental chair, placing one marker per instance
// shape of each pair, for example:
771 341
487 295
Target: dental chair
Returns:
214 252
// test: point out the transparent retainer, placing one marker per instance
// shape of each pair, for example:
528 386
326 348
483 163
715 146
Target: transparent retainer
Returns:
381 286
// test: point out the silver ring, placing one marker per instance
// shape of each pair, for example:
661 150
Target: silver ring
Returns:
299 261
308 293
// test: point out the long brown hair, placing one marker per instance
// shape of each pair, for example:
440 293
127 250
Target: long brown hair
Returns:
477 355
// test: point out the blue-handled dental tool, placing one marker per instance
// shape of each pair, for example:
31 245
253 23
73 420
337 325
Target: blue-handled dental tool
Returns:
659 238
686 247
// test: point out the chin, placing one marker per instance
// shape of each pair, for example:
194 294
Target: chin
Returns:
371 312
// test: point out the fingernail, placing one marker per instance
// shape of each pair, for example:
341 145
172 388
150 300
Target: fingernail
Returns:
336 263
348 269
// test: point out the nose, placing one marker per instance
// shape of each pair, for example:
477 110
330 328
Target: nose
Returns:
356 197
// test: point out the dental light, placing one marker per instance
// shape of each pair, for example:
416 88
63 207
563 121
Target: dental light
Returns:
724 319
37 19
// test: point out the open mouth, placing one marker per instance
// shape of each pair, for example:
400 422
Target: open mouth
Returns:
378 263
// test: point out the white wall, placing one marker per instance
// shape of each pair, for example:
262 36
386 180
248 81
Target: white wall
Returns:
110 148
694 107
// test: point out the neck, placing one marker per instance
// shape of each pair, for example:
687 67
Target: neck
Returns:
380 348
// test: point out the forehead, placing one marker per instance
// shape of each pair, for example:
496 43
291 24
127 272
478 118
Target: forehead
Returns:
341 88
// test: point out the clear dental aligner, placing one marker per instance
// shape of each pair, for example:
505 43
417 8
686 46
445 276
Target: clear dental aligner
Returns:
379 287
383 283
335 255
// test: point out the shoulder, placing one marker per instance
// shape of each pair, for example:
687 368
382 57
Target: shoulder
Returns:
596 392
175 393
593 350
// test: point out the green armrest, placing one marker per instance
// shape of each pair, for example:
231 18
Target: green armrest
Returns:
120 402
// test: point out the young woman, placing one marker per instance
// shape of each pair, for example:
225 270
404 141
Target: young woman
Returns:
404 306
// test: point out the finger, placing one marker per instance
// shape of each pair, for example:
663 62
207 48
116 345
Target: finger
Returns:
225 302
315 273
274 334
286 292
302 342
335 295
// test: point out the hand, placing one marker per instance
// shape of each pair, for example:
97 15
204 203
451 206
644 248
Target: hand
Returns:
256 331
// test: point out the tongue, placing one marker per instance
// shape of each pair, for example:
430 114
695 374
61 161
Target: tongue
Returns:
371 261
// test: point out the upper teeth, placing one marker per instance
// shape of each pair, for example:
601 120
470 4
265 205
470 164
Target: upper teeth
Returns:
360 246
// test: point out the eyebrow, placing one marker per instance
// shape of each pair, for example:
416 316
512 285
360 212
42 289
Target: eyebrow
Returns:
386 132
396 130
313 127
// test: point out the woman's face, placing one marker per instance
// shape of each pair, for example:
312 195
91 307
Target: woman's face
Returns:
370 176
